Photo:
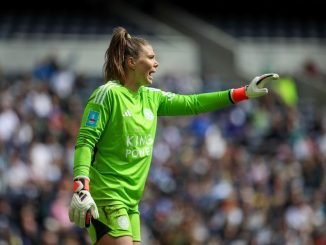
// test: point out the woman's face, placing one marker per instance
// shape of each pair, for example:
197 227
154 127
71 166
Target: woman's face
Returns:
145 66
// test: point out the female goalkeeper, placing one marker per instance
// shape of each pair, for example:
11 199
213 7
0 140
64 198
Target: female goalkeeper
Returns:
115 143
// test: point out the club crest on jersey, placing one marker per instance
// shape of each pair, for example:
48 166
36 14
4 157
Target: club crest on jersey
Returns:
92 119
148 114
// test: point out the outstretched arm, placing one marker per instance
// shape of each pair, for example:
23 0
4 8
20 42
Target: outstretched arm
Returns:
175 104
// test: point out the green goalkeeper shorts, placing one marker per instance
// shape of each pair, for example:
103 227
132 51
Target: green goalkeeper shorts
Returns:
115 221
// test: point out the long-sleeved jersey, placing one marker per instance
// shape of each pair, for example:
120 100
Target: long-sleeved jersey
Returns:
115 141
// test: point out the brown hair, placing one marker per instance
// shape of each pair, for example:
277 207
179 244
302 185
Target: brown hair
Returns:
122 46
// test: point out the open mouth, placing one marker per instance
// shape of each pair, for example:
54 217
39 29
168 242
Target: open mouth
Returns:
151 74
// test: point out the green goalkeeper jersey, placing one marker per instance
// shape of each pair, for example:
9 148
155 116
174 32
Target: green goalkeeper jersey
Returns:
116 137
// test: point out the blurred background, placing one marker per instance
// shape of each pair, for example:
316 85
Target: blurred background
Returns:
251 174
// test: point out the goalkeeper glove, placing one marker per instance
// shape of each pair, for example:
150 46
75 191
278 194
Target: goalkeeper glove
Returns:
82 205
255 88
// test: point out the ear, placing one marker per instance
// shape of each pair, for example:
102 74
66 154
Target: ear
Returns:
131 63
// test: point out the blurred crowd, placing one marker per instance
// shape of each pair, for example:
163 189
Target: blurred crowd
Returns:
249 174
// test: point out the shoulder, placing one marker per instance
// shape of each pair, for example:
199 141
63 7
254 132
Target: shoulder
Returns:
102 91
158 93
155 91
151 90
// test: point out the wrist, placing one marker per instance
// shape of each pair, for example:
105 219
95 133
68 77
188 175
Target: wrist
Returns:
238 94
81 183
